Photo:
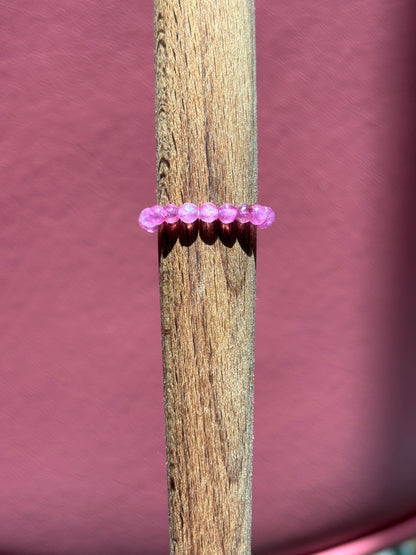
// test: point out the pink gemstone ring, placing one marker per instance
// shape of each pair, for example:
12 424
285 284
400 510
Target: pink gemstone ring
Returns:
151 218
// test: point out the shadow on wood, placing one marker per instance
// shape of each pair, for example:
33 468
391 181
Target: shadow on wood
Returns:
187 234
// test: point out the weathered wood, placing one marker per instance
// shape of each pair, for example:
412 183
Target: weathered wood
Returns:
207 151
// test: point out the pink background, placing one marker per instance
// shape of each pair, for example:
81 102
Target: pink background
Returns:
82 462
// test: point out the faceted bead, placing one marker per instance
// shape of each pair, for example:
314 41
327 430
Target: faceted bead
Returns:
170 213
258 214
146 220
227 213
188 212
269 218
156 214
243 213
208 212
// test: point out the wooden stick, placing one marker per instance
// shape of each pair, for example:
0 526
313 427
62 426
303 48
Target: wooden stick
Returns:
207 151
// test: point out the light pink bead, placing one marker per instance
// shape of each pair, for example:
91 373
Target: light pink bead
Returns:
269 218
258 214
208 212
227 213
156 215
170 213
188 212
243 213
146 220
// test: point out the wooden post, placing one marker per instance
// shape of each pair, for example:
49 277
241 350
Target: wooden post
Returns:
207 151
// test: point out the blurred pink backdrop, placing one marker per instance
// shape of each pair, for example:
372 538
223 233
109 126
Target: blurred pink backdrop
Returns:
82 461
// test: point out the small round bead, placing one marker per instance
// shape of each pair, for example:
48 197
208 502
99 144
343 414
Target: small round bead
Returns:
269 218
208 212
146 220
156 215
258 214
227 213
170 213
188 212
243 213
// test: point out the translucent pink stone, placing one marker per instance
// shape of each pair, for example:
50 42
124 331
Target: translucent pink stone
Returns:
227 213
243 213
269 218
188 212
208 212
258 214
146 220
171 213
156 215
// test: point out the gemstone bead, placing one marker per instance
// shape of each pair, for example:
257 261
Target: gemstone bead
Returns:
227 213
258 214
188 212
156 214
243 213
170 213
208 212
269 218
146 220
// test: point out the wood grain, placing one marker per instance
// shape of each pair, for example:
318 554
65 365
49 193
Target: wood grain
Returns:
207 151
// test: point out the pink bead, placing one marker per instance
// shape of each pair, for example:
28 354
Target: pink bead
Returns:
208 212
269 218
258 214
227 213
146 220
156 215
170 213
243 213
188 212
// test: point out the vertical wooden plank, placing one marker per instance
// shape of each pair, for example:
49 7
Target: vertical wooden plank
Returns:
207 151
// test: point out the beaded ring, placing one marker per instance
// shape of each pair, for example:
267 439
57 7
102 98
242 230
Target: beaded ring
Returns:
151 218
